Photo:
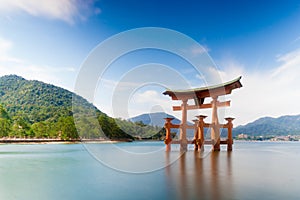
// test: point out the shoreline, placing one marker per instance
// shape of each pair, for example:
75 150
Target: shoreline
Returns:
56 141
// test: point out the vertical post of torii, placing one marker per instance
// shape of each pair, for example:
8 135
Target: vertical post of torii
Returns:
168 138
183 139
201 137
196 134
229 128
215 131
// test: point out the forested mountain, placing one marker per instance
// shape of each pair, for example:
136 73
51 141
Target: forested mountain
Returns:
33 109
268 126
36 100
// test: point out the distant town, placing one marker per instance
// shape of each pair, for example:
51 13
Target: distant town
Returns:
268 138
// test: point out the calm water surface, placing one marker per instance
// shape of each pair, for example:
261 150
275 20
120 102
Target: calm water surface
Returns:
254 170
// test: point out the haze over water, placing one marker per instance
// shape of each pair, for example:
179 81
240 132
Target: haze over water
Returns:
254 170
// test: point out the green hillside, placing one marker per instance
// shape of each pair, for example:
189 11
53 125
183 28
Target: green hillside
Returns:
268 126
33 109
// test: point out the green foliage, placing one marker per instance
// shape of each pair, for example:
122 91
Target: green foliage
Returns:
5 127
33 109
42 130
88 128
3 113
5 122
111 129
66 128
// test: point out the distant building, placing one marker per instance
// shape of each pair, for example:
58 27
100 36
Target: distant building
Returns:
242 136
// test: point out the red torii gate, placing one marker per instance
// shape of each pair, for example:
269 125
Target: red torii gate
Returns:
198 95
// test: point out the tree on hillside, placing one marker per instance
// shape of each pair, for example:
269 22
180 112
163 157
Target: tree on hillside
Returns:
5 122
5 127
21 128
3 113
66 127
41 129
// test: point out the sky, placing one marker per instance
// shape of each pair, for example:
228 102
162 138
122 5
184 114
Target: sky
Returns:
52 41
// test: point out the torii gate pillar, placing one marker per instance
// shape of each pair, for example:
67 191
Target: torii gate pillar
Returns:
183 139
215 131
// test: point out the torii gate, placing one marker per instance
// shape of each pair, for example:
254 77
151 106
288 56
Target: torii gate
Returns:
198 95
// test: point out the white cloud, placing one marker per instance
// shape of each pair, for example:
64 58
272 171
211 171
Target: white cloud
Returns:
147 97
66 10
12 65
196 50
266 93
126 103
5 46
200 76
297 39
149 101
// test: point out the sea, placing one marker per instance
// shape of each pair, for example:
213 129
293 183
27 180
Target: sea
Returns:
144 170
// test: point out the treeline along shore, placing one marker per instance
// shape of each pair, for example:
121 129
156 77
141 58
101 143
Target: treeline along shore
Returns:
53 140
35 140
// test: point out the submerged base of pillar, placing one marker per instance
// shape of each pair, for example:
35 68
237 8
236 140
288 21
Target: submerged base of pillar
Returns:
216 145
168 147
200 144
201 149
229 148
229 144
196 148
216 149
183 145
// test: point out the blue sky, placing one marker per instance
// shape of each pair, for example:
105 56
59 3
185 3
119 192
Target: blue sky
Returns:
260 40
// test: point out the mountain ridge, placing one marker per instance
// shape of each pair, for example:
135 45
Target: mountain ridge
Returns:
264 126
271 126
155 118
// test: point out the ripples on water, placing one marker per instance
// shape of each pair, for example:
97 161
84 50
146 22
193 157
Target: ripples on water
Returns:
254 170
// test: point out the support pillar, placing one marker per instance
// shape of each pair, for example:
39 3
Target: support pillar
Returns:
229 127
183 139
215 131
201 138
168 138
196 133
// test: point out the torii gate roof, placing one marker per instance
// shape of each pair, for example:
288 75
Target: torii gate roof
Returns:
201 93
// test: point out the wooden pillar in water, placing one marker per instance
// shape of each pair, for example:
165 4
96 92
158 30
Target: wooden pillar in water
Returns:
201 138
196 134
229 127
183 139
215 131
168 138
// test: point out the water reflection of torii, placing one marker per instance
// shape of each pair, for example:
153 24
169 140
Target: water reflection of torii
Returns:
198 95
